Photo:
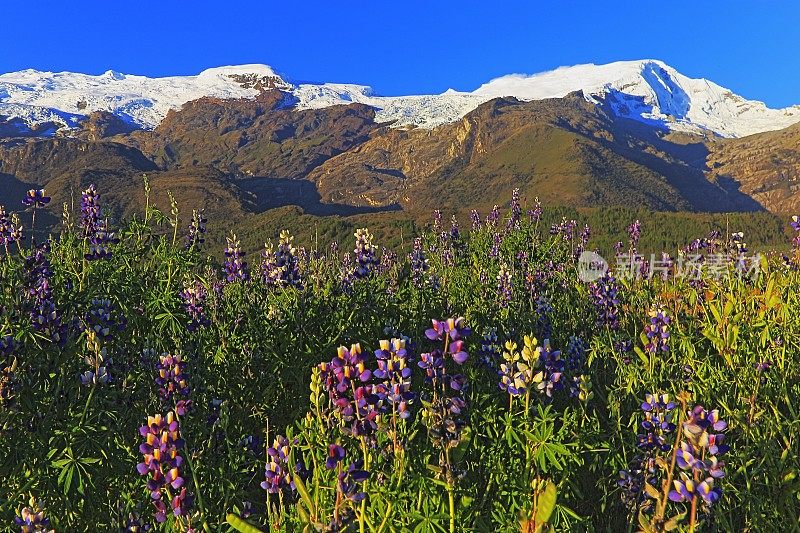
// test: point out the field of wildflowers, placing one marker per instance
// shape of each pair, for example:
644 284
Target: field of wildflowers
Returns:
471 382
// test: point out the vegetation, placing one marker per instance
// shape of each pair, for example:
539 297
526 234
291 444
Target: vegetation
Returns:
472 382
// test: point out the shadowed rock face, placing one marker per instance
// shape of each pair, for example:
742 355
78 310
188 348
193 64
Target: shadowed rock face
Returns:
239 157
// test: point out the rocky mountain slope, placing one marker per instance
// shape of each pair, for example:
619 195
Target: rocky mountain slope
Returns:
260 145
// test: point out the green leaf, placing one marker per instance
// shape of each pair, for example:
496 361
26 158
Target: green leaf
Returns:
546 503
301 489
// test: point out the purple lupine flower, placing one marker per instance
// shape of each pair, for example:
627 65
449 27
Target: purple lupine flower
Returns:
657 332
504 286
576 353
95 230
453 327
197 229
475 219
493 217
234 267
394 376
45 318
634 233
497 241
419 264
35 199
516 210
535 214
104 319
605 296
336 455
7 234
437 221
350 479
194 297
543 311
686 489
365 259
490 349
90 210
172 381
31 519
657 423
641 470
762 367
551 368
281 268
278 474
162 463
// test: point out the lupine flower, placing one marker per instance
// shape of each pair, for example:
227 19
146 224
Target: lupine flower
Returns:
90 210
394 376
357 401
234 266
497 241
35 199
551 366
576 353
475 218
535 214
504 286
605 297
419 264
281 268
45 319
172 381
516 373
657 423
95 230
490 349
686 489
103 319
351 479
641 470
634 233
737 242
96 358
516 210
437 221
31 519
336 455
197 229
657 332
493 216
194 297
452 327
277 474
762 368
9 234
543 309
162 463
365 254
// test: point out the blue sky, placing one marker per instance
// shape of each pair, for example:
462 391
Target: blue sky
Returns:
406 47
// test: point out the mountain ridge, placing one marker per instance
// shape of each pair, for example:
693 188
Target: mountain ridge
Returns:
647 90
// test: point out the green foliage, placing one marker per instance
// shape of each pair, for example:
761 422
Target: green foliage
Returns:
527 461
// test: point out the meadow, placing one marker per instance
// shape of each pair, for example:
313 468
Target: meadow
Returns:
471 382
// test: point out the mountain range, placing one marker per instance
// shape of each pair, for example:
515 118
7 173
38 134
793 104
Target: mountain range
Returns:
245 141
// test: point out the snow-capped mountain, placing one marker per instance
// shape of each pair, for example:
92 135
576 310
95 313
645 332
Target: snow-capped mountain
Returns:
645 90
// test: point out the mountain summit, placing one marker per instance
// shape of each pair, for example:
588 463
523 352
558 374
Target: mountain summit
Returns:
648 91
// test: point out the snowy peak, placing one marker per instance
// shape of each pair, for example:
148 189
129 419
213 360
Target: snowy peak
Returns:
66 97
648 90
653 92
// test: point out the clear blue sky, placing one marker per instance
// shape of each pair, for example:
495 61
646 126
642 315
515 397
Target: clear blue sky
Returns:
406 47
